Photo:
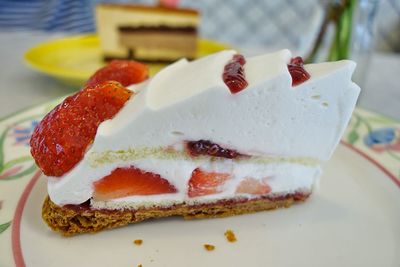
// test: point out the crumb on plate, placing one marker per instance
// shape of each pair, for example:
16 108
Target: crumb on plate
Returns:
138 242
230 236
209 247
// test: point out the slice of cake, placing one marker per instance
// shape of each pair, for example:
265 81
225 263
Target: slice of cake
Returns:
222 135
156 34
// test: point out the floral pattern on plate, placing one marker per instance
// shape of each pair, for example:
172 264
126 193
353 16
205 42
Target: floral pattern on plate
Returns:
377 136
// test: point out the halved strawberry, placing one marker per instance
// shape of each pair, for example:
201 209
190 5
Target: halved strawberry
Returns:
126 72
60 140
203 183
253 186
131 181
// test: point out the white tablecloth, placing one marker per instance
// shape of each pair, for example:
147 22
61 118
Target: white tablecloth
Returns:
21 87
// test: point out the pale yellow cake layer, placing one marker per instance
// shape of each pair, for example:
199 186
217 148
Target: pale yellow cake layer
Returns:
186 43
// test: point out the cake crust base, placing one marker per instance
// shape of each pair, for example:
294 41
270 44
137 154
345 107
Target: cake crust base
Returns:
74 220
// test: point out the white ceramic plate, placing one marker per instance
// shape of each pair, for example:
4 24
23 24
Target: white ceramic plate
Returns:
352 219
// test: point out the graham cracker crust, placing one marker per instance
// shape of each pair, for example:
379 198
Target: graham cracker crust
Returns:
72 220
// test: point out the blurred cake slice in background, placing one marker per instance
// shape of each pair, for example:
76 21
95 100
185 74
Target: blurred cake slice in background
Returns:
156 34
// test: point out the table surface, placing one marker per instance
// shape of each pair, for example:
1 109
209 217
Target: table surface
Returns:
21 87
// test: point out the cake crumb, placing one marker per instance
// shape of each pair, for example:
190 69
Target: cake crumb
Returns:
139 265
230 236
209 247
138 242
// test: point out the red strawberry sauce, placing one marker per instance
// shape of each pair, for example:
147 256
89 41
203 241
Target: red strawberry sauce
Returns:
297 71
207 148
234 76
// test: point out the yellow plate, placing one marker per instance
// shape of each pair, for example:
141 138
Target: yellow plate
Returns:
74 59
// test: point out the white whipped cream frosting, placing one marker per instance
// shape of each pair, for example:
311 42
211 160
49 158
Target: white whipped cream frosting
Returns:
190 101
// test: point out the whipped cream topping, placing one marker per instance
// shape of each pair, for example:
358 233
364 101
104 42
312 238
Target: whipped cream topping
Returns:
189 101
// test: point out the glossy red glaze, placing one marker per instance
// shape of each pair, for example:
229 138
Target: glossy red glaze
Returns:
297 71
234 76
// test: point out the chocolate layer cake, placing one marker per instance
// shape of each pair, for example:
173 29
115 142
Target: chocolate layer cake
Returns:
149 34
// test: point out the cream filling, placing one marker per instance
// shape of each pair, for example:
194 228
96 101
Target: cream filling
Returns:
283 178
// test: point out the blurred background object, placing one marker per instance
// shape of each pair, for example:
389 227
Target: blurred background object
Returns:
255 23
252 26
47 15
150 34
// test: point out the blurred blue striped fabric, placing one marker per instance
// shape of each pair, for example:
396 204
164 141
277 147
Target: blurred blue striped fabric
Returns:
47 15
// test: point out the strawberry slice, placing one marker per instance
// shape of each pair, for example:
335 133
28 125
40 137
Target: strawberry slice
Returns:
203 183
252 186
126 72
60 140
123 182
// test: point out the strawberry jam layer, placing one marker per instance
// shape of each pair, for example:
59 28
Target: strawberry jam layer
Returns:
207 148
234 76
